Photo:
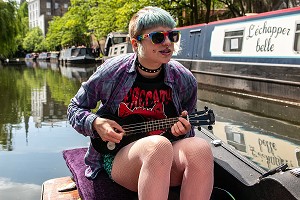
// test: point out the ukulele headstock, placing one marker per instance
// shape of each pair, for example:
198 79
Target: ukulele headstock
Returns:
203 117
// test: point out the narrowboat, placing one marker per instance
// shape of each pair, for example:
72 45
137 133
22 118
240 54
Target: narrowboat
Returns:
44 56
76 55
31 57
258 54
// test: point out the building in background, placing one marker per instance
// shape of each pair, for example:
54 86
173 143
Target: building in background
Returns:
40 12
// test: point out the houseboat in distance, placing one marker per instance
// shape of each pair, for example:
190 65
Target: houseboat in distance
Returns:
31 57
76 55
44 56
54 56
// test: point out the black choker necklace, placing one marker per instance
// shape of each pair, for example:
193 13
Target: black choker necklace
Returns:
147 69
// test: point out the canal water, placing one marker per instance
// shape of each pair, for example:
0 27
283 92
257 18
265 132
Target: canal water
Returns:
34 130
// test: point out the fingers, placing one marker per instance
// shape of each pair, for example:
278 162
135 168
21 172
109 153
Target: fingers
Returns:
108 130
182 126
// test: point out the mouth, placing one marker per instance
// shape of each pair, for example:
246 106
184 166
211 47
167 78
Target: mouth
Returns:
165 51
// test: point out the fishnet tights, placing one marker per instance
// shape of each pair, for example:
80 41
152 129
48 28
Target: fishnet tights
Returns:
152 164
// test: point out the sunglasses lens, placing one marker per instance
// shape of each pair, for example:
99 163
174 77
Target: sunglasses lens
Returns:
174 36
158 38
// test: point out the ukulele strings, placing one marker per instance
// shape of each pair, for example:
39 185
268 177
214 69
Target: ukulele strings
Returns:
156 124
148 126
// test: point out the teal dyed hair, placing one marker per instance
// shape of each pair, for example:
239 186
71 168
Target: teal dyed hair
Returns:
150 17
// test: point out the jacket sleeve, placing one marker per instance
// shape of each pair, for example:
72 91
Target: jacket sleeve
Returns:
188 94
79 111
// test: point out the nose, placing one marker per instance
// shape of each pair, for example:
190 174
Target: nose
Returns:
167 41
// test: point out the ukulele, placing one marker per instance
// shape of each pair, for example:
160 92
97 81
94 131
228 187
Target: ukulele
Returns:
137 127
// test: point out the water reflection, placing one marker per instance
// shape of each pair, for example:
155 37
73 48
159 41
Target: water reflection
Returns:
13 190
266 132
32 91
79 73
268 151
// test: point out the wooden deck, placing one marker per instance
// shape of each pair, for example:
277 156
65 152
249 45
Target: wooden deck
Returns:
50 190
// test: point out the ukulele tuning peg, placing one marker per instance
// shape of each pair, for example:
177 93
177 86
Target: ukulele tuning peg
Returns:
205 108
210 127
199 128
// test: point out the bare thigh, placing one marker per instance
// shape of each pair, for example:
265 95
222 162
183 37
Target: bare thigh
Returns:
184 150
128 161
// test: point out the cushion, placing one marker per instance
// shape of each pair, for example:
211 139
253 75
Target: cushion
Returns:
101 188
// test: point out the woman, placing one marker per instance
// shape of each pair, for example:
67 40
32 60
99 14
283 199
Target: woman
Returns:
150 84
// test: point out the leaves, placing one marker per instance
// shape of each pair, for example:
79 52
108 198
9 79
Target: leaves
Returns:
9 28
33 40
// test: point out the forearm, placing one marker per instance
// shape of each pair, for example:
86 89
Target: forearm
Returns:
81 119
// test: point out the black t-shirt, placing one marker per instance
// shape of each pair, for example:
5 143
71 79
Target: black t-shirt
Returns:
149 97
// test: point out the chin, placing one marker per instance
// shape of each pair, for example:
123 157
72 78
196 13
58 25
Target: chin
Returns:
166 59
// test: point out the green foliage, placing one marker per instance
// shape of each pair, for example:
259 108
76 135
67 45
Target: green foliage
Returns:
9 28
23 19
70 29
102 18
55 32
13 26
32 41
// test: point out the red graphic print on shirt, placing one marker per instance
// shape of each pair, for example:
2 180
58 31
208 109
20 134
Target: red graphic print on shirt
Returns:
157 112
138 97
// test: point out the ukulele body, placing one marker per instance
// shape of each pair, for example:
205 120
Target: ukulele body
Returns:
112 148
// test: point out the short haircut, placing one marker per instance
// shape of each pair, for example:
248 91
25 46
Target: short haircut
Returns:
149 17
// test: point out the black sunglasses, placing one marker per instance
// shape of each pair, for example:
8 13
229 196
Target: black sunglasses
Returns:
159 37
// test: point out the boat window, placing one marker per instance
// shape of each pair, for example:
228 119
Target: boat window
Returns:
297 39
82 51
233 41
89 51
118 40
75 52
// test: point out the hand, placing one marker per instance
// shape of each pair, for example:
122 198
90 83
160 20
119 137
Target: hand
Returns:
108 130
182 126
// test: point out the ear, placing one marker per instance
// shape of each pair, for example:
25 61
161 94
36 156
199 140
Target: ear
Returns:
134 44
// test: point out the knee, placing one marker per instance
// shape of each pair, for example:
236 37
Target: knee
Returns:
158 148
159 144
198 150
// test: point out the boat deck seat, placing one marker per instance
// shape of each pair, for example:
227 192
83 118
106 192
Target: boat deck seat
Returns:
100 188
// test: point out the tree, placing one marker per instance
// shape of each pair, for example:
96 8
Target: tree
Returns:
33 39
103 17
70 29
9 28
54 34
22 15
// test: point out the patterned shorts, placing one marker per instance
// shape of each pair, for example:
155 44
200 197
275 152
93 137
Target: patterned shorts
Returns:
107 163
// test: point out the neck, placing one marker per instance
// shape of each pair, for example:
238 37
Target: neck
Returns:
148 72
148 69
148 75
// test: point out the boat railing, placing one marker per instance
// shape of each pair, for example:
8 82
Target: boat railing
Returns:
119 49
